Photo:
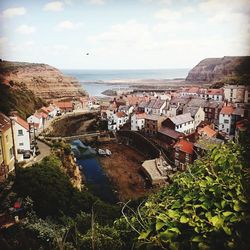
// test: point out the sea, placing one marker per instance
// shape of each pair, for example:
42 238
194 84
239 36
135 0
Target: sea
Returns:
91 80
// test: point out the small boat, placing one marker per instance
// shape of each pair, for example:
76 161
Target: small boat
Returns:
108 152
101 152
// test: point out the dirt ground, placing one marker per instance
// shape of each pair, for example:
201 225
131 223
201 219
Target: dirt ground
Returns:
123 169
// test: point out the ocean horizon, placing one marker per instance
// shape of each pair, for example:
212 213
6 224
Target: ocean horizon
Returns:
90 79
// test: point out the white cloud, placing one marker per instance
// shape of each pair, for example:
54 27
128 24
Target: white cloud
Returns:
25 29
11 12
168 15
68 25
96 2
54 6
163 2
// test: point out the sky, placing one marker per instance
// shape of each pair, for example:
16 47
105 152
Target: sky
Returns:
123 34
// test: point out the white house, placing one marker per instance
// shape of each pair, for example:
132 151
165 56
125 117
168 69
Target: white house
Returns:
197 113
235 93
226 120
36 119
138 121
181 123
128 110
117 121
21 135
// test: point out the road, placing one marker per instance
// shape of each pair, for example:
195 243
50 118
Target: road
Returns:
45 151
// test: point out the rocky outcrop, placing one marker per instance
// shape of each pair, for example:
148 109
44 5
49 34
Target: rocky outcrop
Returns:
45 81
215 69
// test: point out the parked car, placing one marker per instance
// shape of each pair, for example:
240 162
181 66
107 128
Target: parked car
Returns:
26 155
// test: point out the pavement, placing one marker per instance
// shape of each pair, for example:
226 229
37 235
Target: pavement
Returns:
45 151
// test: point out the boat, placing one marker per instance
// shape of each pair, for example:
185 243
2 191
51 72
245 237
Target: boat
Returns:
101 152
108 152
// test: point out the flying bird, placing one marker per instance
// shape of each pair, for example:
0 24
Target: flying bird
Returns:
87 54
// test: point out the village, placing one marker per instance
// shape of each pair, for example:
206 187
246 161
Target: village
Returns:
172 128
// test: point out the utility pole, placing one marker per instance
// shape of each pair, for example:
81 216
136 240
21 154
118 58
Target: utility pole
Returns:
14 146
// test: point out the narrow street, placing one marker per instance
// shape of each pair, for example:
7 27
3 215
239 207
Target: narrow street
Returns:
45 151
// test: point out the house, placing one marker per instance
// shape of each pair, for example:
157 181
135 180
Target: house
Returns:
207 131
175 106
197 113
193 91
138 121
241 128
158 106
7 153
117 121
169 136
36 120
64 106
182 123
153 123
204 144
149 106
21 135
215 94
235 93
51 111
226 120
142 106
212 111
127 109
183 154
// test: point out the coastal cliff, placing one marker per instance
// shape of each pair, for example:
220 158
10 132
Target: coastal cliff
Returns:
216 69
44 80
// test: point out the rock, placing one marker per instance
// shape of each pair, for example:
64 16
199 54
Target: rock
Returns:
45 81
215 69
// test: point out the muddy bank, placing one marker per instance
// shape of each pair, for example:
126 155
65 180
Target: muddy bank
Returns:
123 169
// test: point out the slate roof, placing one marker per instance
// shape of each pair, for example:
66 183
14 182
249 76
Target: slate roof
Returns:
180 119
214 104
191 110
239 111
143 104
170 133
180 100
158 104
197 102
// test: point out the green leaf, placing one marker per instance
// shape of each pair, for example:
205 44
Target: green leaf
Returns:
144 235
226 214
237 207
173 214
184 219
216 221
159 225
167 235
175 229
227 230
162 217
197 239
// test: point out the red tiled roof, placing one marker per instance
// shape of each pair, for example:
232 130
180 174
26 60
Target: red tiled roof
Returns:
63 105
120 114
184 146
215 91
22 122
227 110
207 131
193 90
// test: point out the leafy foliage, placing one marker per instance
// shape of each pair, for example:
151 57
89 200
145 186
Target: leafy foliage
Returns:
204 208
19 98
53 194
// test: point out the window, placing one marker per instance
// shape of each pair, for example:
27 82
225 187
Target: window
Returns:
177 155
176 162
226 121
11 152
187 157
20 132
222 126
21 144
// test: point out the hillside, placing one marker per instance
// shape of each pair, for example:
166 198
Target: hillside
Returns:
45 81
19 98
216 69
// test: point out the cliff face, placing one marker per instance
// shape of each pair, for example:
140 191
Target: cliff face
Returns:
45 81
215 69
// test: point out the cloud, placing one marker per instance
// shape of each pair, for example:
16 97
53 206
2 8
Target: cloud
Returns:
163 2
167 15
68 25
54 6
25 29
11 12
96 2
